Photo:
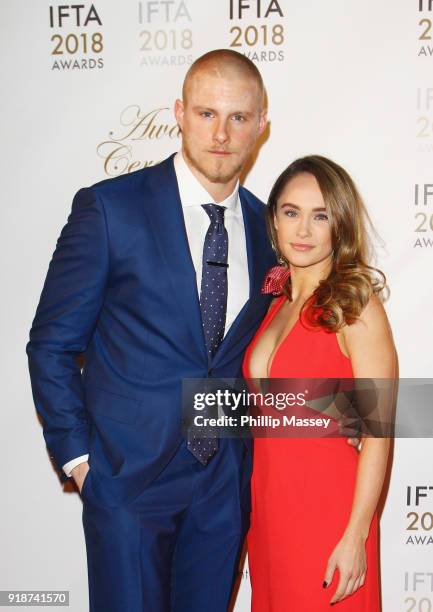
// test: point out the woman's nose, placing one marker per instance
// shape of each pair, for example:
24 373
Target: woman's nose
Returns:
303 230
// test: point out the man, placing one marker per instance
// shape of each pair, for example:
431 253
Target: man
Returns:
156 277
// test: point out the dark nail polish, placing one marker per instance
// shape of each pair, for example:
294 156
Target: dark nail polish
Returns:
325 584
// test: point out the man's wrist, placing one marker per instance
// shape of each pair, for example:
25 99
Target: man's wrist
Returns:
79 472
70 465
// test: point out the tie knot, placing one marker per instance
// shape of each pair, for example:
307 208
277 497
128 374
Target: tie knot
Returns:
215 212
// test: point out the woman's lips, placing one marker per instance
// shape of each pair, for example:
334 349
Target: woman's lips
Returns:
301 247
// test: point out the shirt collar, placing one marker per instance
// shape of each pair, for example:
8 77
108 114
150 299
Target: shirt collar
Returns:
192 192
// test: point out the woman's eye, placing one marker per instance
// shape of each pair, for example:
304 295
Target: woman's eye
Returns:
290 213
322 217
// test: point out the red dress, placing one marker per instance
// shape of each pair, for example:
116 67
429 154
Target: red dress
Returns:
302 493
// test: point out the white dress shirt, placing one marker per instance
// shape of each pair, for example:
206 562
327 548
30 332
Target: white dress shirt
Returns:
192 196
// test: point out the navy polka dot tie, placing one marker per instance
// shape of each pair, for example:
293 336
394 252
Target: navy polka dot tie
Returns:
213 304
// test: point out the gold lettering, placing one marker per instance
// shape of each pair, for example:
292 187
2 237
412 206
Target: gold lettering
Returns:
118 151
141 125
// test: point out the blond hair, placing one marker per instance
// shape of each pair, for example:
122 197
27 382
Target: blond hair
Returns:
225 62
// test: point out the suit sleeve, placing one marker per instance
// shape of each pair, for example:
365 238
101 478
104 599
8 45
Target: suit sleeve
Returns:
65 319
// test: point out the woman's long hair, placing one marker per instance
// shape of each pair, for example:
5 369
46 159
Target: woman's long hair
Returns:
340 298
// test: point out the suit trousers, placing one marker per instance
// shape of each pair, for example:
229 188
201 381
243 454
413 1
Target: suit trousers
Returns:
176 546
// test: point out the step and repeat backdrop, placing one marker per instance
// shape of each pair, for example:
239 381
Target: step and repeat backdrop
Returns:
87 94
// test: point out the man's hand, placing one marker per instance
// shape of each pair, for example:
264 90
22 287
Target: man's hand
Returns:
356 442
79 474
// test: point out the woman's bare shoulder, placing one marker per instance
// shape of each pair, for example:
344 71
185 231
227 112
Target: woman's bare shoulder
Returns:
369 341
372 319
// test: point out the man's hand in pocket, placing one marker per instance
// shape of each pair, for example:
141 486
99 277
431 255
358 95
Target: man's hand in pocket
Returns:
79 474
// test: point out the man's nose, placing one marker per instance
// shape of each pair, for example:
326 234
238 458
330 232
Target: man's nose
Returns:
221 133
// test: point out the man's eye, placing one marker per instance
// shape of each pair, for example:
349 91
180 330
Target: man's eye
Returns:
206 114
239 117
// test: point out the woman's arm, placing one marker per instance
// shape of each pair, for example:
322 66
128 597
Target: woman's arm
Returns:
372 353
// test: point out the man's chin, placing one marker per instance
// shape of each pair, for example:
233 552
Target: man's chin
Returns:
221 175
220 178
215 172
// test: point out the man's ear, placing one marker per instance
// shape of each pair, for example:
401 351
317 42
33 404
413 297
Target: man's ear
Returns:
263 121
179 112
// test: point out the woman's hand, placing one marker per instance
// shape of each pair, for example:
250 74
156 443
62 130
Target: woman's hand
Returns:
350 559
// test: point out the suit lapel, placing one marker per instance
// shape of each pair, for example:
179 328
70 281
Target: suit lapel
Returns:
258 264
164 210
254 232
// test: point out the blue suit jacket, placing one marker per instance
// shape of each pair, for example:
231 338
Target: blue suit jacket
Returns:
121 288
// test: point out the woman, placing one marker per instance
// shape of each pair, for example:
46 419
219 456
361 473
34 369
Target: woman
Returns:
313 535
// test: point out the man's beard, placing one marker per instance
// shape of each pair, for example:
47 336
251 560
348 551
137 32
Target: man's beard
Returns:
213 176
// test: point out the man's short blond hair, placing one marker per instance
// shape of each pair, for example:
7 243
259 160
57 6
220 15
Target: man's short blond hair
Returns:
224 62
